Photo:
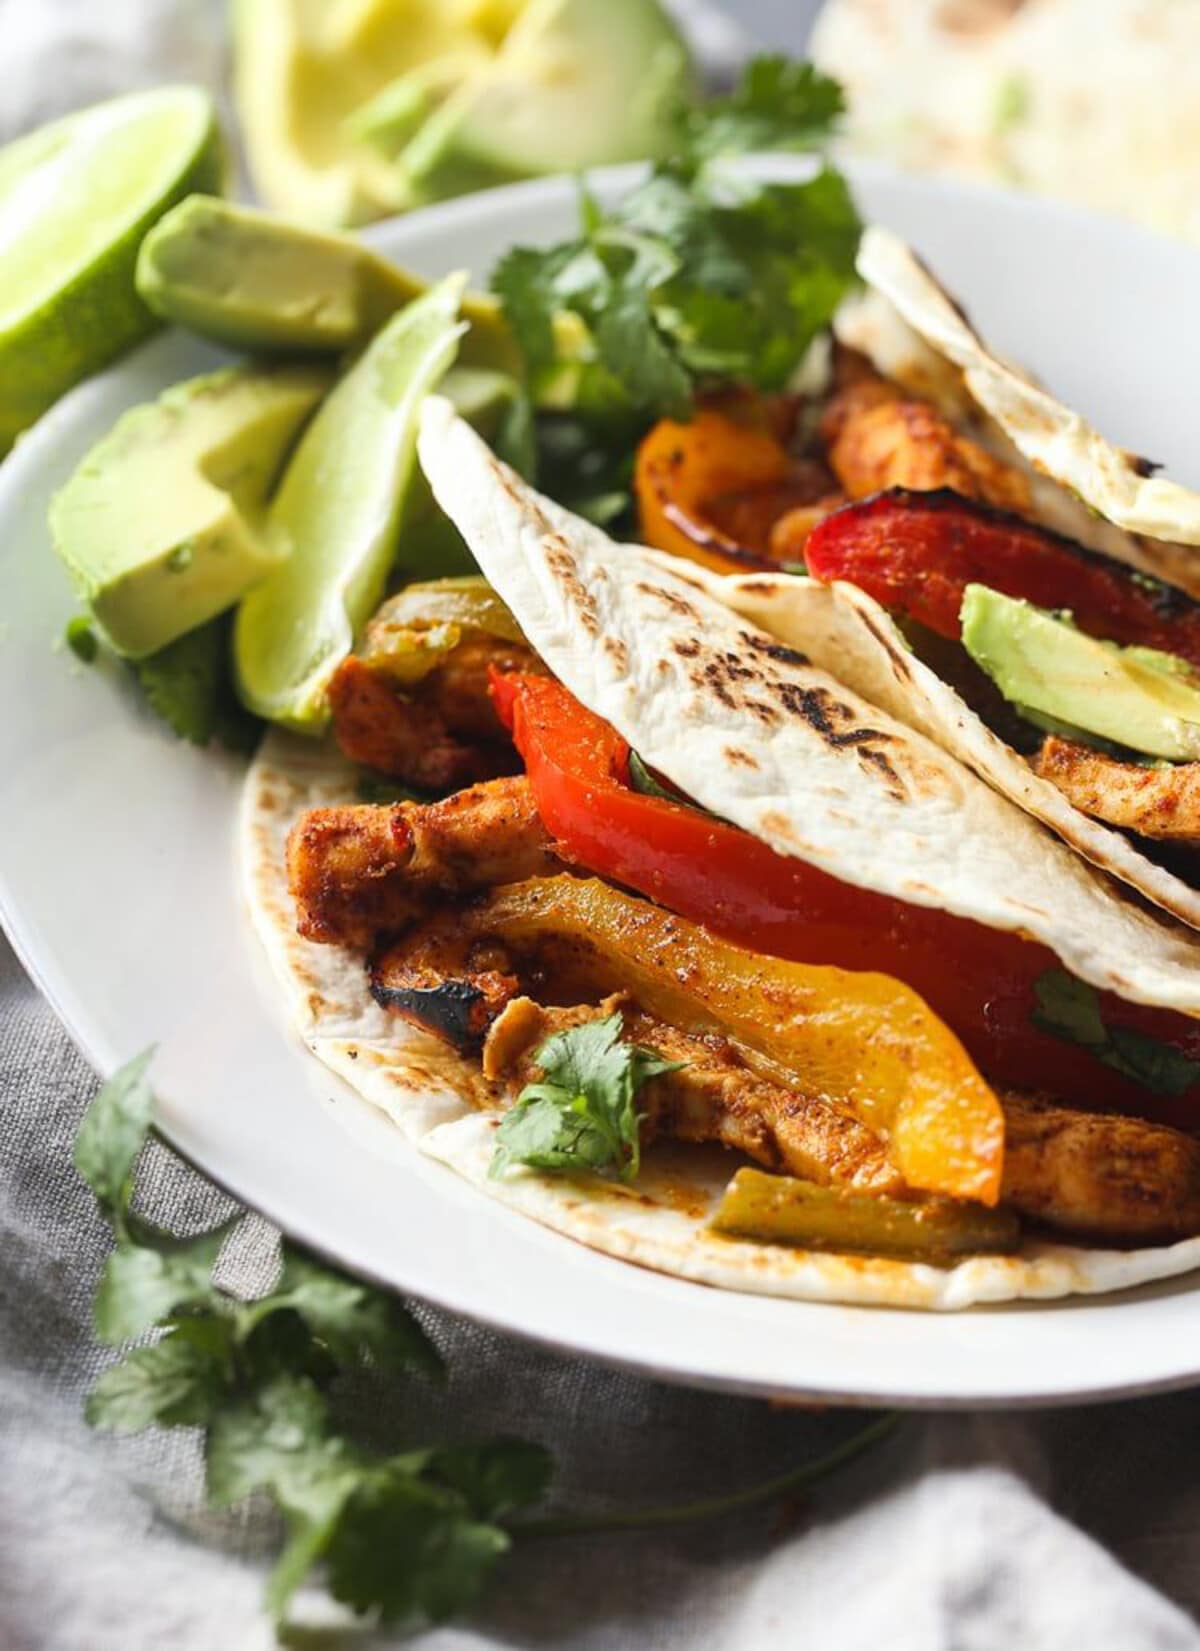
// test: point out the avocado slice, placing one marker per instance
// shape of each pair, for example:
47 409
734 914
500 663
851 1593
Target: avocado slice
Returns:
302 68
159 526
253 281
395 114
1139 698
576 83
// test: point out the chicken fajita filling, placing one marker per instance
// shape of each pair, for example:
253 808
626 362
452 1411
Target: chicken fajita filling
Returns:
626 969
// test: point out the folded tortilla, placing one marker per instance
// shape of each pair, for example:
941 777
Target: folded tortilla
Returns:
444 1109
914 332
1152 522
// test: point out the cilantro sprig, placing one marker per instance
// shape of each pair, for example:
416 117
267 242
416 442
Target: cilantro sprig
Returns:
701 274
582 1115
411 1535
1070 1009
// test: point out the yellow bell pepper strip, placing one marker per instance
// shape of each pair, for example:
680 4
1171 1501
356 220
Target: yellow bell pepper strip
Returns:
859 1040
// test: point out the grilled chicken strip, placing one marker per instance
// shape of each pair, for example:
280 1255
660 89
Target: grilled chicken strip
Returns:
875 436
362 869
713 1097
435 734
1100 1177
1156 802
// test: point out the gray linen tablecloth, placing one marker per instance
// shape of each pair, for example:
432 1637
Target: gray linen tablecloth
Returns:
1070 1530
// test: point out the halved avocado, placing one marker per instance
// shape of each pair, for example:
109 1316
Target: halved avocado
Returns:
576 83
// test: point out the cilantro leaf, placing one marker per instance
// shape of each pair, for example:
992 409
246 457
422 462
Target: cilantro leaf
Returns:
188 685
494 1478
1070 1009
778 104
158 1274
278 1439
699 274
112 1134
586 466
525 282
582 1115
636 353
410 1550
176 1380
352 1319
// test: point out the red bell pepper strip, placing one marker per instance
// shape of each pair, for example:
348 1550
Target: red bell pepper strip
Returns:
980 981
917 552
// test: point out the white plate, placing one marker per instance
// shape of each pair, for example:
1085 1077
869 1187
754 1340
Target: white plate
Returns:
117 883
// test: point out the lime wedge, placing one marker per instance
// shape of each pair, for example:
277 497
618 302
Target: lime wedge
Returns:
337 516
76 198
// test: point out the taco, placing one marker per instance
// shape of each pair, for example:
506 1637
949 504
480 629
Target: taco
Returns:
988 568
712 962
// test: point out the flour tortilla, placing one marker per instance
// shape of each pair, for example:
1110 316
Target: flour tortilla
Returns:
846 631
444 1108
871 791
1097 493
914 332
781 747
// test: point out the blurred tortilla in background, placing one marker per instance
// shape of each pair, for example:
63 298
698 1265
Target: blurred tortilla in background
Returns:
1095 101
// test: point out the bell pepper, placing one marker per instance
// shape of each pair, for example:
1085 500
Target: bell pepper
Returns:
981 982
417 630
777 1209
917 553
856 1039
724 491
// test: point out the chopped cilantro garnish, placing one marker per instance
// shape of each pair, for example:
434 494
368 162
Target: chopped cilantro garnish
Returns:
582 1115
276 1381
81 638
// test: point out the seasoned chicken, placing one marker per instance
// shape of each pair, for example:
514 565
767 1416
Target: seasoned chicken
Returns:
713 1097
1156 802
437 732
875 436
1098 1176
361 869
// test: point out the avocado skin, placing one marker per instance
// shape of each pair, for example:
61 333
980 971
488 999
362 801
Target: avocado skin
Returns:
1136 698
160 525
